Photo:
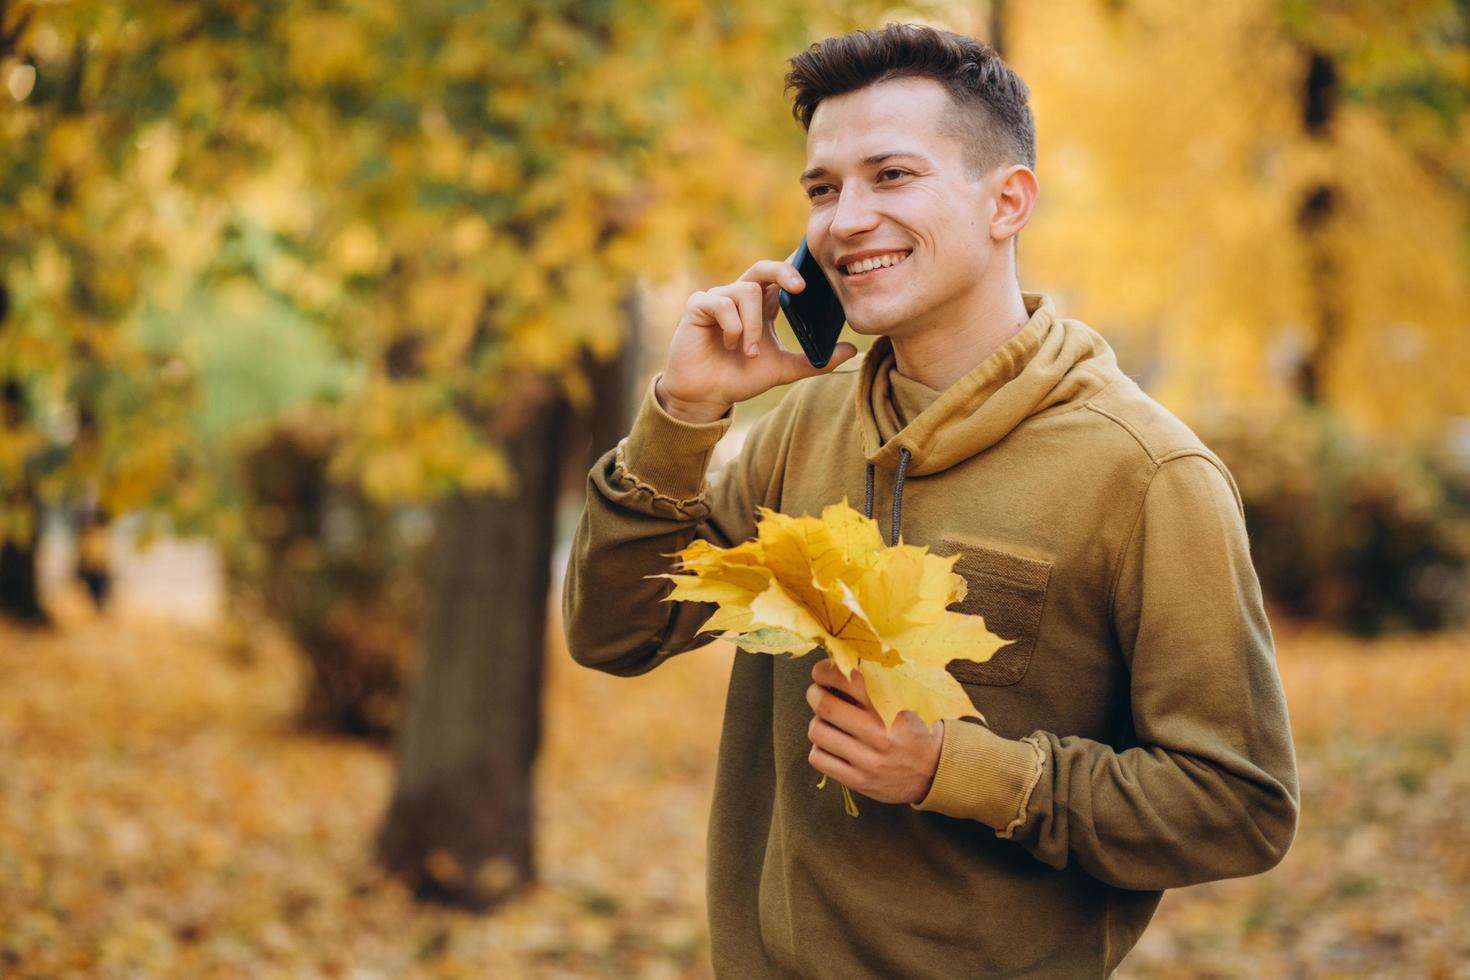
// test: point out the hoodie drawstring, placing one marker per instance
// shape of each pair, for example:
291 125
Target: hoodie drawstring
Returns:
903 466
868 494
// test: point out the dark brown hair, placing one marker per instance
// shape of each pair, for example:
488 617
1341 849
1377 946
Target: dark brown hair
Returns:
990 117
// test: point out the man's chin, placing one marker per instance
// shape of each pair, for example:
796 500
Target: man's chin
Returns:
875 326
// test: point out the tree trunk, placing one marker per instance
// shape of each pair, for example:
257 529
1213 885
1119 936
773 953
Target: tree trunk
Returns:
615 396
20 597
459 828
1319 206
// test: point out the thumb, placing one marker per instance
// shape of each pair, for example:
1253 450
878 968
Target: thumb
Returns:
841 354
797 368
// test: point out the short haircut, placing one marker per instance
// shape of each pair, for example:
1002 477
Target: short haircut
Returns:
990 118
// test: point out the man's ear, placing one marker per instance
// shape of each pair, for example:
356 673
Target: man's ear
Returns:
1016 191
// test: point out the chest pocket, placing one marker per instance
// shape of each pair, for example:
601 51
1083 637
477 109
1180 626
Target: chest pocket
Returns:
1009 592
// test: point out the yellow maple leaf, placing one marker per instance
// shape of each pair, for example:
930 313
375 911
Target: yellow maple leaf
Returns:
830 582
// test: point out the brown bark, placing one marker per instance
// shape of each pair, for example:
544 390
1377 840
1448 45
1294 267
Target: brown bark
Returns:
613 396
1317 211
596 428
460 825
20 597
459 828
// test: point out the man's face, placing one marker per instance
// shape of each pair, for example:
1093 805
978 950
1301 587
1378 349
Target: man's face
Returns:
918 203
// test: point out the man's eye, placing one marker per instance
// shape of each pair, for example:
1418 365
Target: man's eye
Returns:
816 190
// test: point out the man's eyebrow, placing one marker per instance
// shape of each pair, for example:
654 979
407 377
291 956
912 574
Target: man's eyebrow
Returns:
876 158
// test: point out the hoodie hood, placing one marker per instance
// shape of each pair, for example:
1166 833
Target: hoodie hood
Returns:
1050 366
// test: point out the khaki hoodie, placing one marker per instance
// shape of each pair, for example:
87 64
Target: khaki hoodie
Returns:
1137 734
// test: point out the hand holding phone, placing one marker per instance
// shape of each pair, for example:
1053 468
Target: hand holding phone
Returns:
725 349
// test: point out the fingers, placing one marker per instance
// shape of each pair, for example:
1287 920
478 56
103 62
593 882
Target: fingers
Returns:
859 721
840 743
737 310
749 298
782 274
712 308
836 767
771 303
745 310
827 674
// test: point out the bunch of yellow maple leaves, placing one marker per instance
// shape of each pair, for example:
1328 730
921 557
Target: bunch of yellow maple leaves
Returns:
830 582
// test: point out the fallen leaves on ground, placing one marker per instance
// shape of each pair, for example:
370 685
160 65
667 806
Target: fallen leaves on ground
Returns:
1378 880
160 816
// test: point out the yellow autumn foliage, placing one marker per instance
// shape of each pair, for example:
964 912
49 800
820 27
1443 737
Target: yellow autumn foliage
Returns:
829 582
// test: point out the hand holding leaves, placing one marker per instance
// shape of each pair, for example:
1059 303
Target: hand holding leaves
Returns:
891 764
806 582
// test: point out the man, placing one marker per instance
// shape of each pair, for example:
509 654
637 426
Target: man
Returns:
1137 736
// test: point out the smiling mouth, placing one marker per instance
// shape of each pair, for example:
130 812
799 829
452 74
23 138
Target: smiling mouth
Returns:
869 268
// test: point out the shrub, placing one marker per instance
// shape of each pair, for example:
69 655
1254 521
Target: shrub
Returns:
1369 535
340 573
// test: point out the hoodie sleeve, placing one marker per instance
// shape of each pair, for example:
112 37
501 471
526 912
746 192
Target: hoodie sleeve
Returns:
1210 789
646 499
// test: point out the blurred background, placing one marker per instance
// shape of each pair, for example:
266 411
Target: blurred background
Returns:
314 314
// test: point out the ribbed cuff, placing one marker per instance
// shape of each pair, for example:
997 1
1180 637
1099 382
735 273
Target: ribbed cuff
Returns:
984 777
668 454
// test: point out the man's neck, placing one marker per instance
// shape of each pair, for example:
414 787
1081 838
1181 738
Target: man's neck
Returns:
939 357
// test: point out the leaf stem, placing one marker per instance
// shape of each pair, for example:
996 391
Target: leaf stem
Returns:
848 803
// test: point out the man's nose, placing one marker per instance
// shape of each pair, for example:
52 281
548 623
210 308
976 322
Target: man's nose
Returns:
854 213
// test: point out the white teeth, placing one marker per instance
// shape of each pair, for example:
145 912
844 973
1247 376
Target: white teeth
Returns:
880 261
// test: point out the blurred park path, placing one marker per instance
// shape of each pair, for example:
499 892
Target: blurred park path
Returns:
176 578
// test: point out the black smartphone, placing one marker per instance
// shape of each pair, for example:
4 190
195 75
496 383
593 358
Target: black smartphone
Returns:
815 314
